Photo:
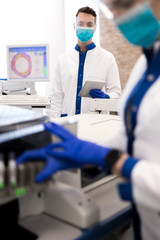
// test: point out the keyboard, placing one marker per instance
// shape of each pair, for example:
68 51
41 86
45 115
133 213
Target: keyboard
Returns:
33 100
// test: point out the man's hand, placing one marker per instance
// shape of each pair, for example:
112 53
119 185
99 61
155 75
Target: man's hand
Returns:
97 93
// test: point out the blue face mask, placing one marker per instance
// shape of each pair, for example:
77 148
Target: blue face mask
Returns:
139 26
84 34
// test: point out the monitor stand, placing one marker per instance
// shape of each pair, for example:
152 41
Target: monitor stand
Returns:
31 90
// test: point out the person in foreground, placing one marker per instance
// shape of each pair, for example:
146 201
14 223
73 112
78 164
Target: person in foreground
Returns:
133 153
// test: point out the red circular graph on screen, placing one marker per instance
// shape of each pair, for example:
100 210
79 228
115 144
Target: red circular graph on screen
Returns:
21 56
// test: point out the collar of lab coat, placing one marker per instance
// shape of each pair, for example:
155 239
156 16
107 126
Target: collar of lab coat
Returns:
152 51
89 47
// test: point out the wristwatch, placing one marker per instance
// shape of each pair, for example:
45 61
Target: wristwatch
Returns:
112 158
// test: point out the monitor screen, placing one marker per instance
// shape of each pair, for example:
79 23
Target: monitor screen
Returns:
27 63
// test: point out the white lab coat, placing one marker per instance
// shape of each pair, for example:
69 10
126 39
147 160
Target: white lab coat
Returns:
99 65
145 176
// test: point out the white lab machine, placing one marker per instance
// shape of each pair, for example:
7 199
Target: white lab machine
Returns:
55 209
110 105
66 207
20 130
91 127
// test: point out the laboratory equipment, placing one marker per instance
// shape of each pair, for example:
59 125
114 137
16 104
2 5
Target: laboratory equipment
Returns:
28 63
25 100
92 127
20 130
109 105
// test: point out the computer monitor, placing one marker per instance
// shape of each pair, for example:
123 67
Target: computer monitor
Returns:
28 63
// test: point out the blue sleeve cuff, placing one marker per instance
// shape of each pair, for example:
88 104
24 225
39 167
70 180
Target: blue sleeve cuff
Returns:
64 115
128 167
125 191
107 96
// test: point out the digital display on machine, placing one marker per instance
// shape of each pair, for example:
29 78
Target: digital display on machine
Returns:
27 63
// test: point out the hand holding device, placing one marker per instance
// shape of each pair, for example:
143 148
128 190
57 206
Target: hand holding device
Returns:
97 93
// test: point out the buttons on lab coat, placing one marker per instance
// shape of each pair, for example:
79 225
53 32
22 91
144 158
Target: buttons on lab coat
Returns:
150 77
134 108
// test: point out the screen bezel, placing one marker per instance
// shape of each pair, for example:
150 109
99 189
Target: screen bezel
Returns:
26 80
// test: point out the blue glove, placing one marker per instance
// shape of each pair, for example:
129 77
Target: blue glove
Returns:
97 93
52 164
73 149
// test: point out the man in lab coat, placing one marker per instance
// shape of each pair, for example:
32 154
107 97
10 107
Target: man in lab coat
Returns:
85 62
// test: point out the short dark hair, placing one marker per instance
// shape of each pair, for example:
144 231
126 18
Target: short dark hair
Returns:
87 10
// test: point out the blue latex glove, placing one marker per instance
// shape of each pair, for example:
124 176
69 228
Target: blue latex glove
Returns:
52 164
97 93
73 149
